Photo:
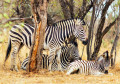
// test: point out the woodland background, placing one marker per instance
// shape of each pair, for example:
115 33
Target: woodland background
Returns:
16 11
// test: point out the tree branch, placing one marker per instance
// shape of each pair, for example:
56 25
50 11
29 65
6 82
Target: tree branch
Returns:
82 13
65 9
113 59
14 19
109 27
71 7
98 38
90 34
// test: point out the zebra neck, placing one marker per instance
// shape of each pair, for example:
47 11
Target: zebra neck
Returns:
100 66
67 29
96 64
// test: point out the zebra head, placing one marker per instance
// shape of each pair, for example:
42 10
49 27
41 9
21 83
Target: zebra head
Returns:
79 31
104 62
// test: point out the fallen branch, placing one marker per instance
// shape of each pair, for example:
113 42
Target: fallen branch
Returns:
14 19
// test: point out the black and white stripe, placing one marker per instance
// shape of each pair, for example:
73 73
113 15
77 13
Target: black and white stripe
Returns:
100 66
55 36
69 53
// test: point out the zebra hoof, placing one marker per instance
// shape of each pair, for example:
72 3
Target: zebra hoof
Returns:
106 72
60 70
67 73
14 68
50 69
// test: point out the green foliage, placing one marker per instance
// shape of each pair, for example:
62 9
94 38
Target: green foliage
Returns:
111 41
78 3
104 43
6 15
0 32
54 9
6 25
118 2
8 1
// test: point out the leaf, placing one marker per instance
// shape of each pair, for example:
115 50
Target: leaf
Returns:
6 25
5 15
118 2
8 1
10 22
0 32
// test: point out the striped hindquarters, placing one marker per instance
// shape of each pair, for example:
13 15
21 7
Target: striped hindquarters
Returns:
84 67
22 33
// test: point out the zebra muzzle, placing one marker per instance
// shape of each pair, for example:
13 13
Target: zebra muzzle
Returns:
106 72
85 42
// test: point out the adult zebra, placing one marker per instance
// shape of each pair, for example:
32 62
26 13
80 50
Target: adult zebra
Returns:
97 67
68 54
55 36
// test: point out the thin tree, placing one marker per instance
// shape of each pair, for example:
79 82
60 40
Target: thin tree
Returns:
68 8
115 41
100 33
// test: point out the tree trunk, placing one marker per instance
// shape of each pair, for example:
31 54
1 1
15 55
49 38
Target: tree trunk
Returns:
65 9
99 36
85 9
90 34
43 17
113 59
34 50
39 9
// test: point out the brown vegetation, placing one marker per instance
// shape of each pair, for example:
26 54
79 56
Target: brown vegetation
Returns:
44 76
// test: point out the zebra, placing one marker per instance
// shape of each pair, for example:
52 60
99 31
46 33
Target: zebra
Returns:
68 54
97 67
55 36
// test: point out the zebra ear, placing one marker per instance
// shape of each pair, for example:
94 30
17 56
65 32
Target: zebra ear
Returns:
99 58
83 22
77 21
105 55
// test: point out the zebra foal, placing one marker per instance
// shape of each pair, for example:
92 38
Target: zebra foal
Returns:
55 36
97 67
68 54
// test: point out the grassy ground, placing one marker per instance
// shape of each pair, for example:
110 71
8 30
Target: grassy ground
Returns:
43 76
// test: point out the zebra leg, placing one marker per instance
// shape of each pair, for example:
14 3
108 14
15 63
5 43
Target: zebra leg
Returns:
71 70
15 49
58 59
51 57
98 74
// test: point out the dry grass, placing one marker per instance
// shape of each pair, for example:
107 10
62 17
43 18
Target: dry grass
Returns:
43 76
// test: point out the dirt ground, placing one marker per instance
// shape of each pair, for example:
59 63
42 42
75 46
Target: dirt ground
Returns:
43 76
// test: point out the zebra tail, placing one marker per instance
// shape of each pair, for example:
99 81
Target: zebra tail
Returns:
8 50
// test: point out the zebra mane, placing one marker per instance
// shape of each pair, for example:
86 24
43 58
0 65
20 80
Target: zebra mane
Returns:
55 24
